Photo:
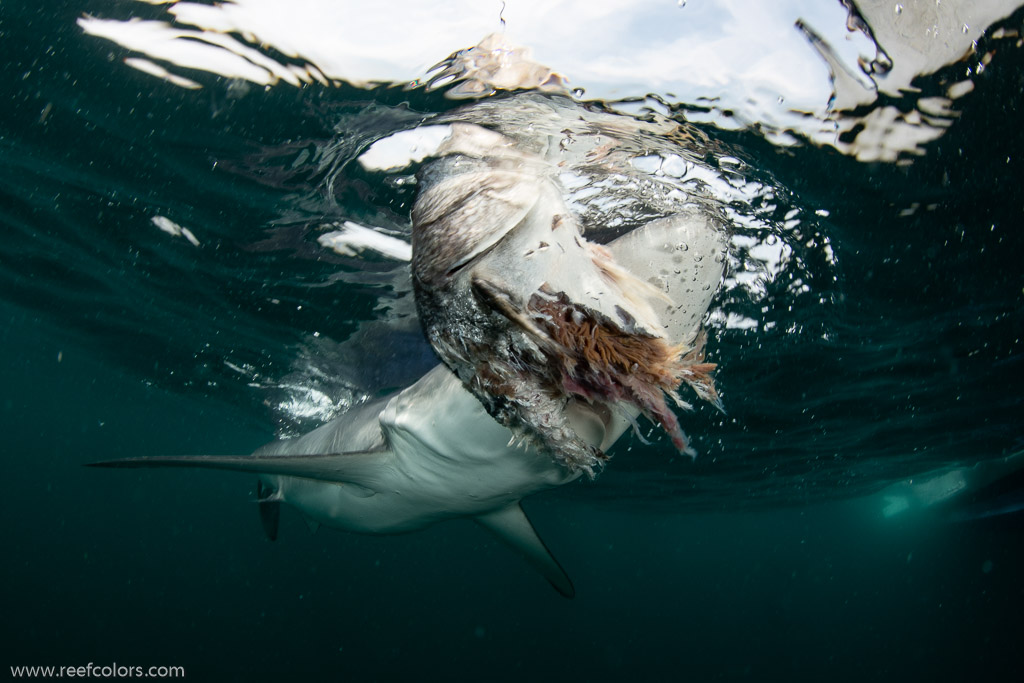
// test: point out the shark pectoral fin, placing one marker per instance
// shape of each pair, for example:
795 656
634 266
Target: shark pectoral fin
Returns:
270 509
511 525
356 467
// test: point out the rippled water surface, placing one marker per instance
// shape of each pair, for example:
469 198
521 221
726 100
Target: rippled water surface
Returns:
194 259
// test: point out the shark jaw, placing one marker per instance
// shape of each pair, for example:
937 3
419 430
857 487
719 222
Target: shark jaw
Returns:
432 452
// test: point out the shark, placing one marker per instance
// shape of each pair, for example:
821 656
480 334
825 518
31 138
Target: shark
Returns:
432 452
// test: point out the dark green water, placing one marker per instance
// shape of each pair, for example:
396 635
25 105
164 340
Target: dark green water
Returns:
766 559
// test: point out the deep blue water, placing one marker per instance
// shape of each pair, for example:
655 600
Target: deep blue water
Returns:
892 353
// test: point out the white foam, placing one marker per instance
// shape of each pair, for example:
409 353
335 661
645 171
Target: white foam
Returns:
172 228
404 148
353 239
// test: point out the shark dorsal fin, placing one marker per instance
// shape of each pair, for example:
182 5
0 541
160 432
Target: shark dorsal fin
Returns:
513 527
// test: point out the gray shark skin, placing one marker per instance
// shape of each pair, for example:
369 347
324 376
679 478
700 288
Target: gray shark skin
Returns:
432 452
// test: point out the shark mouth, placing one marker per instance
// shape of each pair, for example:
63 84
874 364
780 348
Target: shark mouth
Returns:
585 354
601 362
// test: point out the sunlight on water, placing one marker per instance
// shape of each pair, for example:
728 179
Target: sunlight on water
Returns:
762 72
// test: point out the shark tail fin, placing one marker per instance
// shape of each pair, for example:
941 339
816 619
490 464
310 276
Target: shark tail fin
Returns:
270 509
355 467
512 526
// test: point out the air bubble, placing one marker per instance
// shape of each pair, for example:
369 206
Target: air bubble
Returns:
899 9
